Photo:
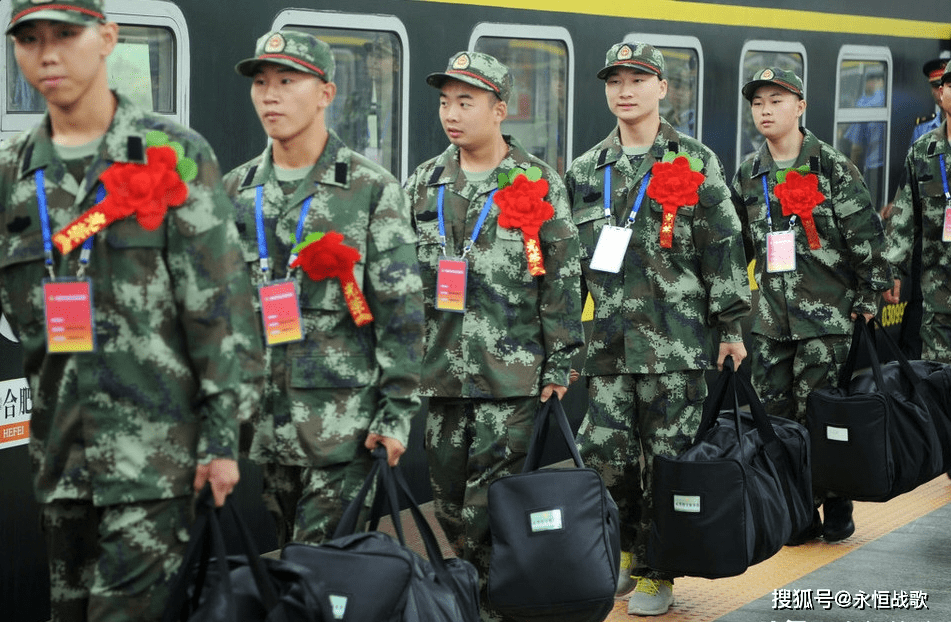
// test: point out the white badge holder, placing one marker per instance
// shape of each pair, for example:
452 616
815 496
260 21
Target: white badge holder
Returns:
612 246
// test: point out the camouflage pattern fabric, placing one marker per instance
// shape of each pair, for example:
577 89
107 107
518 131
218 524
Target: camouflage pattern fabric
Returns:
114 563
174 325
631 418
924 187
470 443
667 309
307 503
847 274
325 393
519 332
786 371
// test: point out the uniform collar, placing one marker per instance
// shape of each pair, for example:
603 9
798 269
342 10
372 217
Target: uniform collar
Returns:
446 169
332 168
808 156
118 143
610 150
939 144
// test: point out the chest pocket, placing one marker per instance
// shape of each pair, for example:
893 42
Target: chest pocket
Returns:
589 221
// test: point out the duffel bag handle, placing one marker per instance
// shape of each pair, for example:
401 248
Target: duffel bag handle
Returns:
551 408
348 522
862 339
900 357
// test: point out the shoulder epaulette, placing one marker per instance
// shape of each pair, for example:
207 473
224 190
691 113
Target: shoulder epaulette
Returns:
133 149
437 173
27 159
250 176
926 118
340 173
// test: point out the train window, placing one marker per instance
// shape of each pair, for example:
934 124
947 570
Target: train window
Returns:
758 55
863 113
539 109
371 78
683 57
149 65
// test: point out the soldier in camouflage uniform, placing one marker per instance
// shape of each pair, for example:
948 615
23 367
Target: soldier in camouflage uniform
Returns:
927 171
832 273
343 388
124 434
511 341
664 315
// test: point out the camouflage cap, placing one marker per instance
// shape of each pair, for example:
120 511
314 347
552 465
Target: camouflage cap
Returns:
81 12
773 75
294 49
479 70
638 56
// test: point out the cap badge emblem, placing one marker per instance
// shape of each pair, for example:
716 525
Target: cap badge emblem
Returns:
767 74
462 62
41 1
625 53
275 44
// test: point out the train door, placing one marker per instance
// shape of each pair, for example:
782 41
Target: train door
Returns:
541 107
372 78
150 65
758 55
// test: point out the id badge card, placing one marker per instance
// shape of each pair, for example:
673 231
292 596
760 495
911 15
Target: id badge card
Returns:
612 245
451 285
946 235
68 308
280 311
781 251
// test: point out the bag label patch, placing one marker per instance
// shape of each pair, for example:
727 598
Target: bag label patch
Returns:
338 604
549 520
687 503
837 434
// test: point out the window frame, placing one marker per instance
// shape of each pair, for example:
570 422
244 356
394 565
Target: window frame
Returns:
504 30
312 18
155 13
678 41
875 54
742 106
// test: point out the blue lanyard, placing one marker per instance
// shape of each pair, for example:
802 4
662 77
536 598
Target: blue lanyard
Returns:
637 201
769 217
478 226
86 251
944 178
262 236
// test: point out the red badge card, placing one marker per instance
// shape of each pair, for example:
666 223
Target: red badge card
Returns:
69 317
451 285
281 313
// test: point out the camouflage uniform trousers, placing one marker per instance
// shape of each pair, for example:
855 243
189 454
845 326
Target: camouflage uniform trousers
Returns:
307 503
632 418
936 337
785 372
469 444
114 563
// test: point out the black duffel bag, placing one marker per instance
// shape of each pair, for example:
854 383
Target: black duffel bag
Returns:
874 435
370 576
555 537
737 494
213 587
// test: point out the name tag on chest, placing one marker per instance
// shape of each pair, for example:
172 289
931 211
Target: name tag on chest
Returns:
612 246
69 316
280 311
781 251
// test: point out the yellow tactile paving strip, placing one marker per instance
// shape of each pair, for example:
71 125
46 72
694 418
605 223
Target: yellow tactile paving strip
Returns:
705 600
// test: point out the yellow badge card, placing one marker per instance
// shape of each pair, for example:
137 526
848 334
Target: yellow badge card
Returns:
280 311
69 316
451 285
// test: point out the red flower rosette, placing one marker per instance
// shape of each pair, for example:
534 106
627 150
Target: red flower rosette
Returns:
146 190
522 206
799 195
673 184
324 256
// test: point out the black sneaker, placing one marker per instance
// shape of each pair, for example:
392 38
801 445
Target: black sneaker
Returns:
837 524
812 532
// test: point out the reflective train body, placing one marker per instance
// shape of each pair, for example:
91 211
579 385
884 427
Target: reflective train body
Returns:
861 64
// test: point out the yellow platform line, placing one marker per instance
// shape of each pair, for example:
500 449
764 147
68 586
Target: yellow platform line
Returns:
705 600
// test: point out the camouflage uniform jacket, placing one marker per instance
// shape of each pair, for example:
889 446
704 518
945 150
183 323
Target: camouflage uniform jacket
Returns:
173 317
845 275
924 187
518 332
667 309
326 392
